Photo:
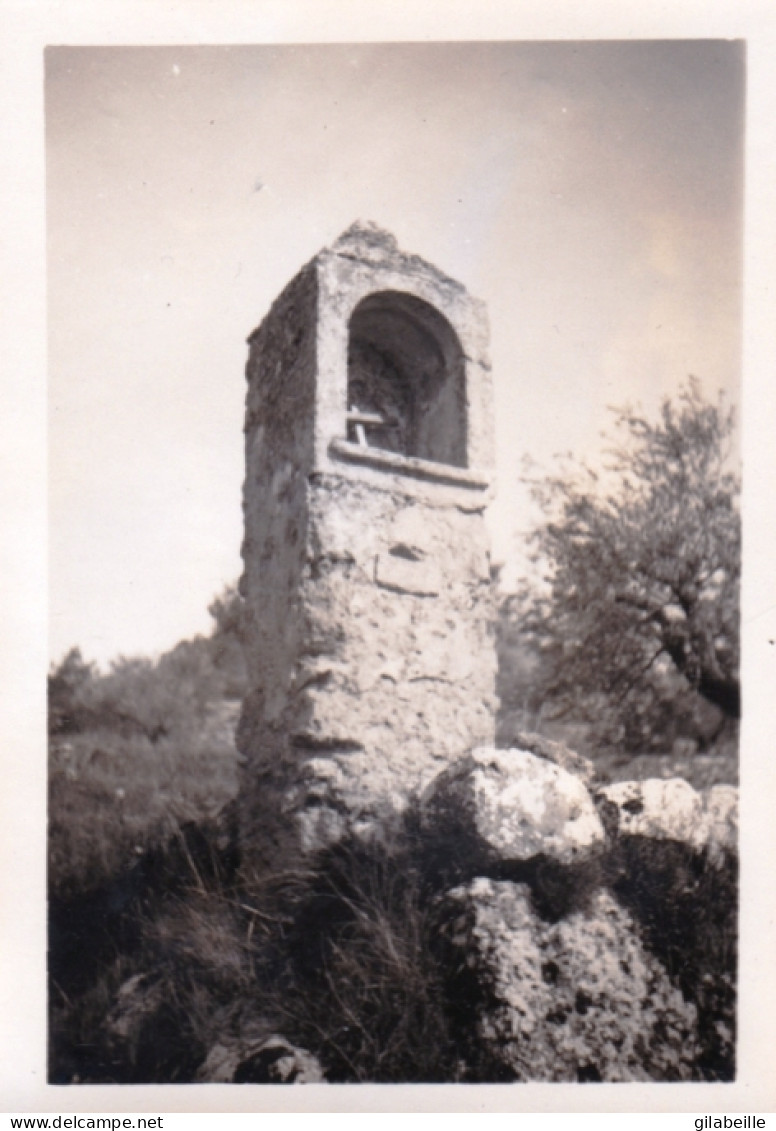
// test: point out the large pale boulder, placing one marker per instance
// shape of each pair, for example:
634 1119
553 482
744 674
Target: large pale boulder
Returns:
656 808
579 999
509 806
672 810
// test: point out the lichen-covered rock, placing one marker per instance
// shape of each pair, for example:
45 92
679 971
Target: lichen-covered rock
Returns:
574 1000
508 806
661 810
673 810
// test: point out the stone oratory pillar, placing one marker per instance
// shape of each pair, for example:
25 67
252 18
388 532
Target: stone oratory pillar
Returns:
370 621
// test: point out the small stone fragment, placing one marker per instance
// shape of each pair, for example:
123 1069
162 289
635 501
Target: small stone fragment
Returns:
277 1061
270 1060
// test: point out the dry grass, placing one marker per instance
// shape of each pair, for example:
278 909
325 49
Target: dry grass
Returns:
362 984
338 960
342 961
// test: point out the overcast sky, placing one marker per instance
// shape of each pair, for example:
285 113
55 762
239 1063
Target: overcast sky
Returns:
590 193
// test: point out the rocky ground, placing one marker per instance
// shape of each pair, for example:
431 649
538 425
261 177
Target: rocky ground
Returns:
527 921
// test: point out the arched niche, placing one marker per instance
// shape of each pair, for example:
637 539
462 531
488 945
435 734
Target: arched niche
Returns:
406 379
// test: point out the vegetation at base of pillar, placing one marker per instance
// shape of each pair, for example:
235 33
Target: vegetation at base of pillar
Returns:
189 959
634 622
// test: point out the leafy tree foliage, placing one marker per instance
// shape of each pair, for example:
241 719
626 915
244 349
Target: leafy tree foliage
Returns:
636 615
153 698
226 641
67 683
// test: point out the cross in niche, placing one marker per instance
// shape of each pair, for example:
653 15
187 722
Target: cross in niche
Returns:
361 420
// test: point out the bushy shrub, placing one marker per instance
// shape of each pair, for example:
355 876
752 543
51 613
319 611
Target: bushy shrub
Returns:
68 687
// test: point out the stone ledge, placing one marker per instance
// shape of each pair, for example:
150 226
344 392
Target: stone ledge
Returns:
410 465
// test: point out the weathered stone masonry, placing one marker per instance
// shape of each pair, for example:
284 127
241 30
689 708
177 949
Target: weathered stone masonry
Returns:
367 578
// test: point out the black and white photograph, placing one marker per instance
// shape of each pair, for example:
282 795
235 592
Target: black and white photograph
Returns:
445 790
396 478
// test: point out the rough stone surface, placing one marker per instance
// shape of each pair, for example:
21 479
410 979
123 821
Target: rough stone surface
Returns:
673 810
129 1025
662 810
272 1060
137 1000
574 1000
370 637
720 811
221 1063
557 752
277 1061
507 806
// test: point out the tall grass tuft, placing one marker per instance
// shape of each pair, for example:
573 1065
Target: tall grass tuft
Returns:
360 983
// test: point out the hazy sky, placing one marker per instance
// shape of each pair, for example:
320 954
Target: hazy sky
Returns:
589 192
